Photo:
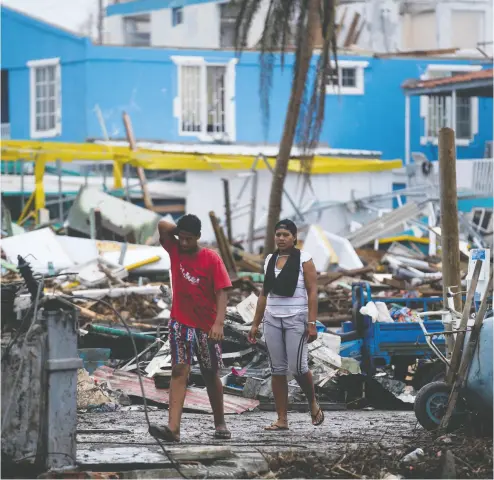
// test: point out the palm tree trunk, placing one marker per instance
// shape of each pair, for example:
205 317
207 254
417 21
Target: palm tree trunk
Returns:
291 119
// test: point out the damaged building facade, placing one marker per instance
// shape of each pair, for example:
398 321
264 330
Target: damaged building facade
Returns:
206 103
373 25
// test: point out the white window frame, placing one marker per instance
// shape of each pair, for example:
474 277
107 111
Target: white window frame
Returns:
230 126
424 105
359 88
33 65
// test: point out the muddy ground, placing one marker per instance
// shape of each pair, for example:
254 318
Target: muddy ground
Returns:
340 429
350 444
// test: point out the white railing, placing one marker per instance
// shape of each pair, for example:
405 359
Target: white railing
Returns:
482 176
5 132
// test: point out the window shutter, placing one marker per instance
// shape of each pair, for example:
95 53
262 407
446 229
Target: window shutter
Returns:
58 117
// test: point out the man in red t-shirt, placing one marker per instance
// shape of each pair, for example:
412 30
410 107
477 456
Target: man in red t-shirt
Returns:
199 280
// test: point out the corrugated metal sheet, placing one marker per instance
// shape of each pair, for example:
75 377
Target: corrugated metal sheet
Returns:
196 399
384 225
456 79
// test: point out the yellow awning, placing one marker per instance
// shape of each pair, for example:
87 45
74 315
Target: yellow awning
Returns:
42 152
161 160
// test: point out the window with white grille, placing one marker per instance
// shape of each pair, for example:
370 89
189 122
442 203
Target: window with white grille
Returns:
437 110
204 100
348 79
45 98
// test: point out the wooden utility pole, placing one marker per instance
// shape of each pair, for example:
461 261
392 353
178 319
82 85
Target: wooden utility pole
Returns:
228 211
101 19
450 239
148 202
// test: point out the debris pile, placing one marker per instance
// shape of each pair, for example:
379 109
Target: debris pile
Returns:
451 456
123 293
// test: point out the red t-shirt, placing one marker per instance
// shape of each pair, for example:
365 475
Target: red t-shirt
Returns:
195 280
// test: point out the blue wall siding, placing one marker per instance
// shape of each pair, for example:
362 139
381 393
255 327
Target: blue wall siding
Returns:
144 82
143 90
25 39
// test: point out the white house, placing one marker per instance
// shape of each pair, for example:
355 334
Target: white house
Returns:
375 25
185 24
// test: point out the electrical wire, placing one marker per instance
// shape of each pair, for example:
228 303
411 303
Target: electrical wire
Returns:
174 464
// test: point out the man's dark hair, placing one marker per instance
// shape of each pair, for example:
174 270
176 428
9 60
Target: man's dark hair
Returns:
190 224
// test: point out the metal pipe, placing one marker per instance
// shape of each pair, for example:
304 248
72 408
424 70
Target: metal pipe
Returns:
127 186
119 333
253 206
22 185
407 129
431 344
292 203
60 190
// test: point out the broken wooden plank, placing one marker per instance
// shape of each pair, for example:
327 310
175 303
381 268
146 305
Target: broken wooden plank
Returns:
223 246
125 455
352 30
148 202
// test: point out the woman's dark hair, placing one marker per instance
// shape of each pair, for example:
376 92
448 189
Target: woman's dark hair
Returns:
287 224
190 224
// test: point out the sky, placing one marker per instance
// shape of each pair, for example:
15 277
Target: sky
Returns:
73 15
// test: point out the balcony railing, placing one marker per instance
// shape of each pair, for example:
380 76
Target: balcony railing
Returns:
482 176
5 132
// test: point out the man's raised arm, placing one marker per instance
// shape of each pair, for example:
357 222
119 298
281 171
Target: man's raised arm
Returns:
167 231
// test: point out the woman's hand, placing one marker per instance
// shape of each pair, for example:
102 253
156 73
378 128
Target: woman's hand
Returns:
254 330
311 332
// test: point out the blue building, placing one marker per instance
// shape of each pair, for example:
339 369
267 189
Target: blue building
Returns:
59 86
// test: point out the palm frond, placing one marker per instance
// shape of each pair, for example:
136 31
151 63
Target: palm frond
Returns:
312 112
286 23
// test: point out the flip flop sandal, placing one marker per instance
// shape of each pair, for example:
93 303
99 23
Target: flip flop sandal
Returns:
163 433
319 413
275 428
222 435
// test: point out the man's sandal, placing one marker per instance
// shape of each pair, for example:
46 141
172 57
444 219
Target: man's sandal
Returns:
222 435
275 427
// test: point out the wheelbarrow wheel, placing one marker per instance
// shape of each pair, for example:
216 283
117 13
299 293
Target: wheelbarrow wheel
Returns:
429 373
431 403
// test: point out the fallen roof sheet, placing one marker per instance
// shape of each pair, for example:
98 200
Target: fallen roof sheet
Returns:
39 248
196 398
385 225
117 215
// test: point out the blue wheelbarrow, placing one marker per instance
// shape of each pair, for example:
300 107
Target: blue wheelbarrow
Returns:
477 395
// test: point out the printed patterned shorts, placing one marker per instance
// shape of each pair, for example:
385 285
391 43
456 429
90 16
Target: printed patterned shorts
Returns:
187 342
